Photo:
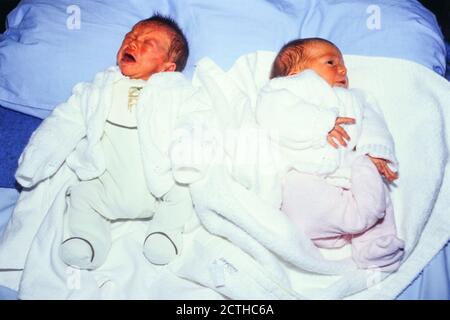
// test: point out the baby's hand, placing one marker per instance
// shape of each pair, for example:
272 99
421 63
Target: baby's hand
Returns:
383 168
339 133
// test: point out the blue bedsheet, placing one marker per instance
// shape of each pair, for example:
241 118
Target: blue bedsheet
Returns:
221 30
15 130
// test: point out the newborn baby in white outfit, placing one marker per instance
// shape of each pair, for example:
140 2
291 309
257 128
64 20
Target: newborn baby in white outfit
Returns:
114 134
335 195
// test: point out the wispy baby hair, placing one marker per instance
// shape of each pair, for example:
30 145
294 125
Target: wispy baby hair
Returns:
179 47
294 54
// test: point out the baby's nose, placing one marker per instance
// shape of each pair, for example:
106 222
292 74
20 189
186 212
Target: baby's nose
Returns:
342 70
133 44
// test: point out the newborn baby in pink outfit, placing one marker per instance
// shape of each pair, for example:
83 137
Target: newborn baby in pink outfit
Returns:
336 148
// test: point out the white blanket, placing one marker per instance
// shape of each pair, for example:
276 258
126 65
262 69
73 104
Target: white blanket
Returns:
415 102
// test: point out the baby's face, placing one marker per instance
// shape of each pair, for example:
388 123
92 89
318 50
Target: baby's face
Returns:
327 61
144 51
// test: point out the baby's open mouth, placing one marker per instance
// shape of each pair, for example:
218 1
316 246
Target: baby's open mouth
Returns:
127 57
342 83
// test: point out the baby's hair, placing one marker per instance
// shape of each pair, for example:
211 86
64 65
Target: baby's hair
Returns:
179 47
293 54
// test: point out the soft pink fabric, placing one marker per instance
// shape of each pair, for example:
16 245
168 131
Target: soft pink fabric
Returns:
332 216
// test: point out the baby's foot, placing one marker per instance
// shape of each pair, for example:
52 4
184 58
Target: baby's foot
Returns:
384 253
80 253
161 247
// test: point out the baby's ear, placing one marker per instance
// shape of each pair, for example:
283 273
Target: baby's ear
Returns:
170 66
294 72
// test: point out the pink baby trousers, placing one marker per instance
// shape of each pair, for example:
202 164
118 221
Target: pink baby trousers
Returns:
332 216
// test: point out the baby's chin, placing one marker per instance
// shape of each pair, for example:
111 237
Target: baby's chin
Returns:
128 71
125 72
